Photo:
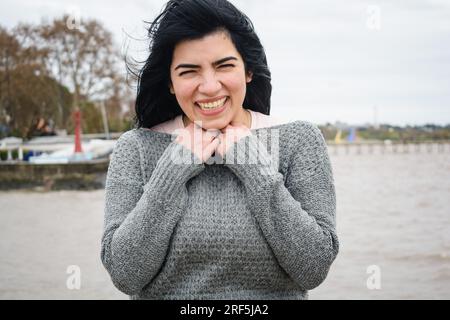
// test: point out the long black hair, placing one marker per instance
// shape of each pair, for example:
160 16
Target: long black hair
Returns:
189 20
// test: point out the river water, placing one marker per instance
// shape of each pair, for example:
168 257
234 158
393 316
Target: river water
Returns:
393 222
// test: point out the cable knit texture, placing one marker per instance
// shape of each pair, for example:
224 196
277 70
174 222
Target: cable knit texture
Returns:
232 228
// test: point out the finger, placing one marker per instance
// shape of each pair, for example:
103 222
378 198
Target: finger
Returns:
222 146
208 138
179 139
221 138
183 137
228 127
211 134
210 148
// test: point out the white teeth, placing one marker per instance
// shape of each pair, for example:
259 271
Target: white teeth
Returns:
213 105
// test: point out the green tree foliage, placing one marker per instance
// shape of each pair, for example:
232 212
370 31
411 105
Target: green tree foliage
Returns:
49 70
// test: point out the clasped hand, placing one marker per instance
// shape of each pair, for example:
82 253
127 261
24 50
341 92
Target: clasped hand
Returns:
204 143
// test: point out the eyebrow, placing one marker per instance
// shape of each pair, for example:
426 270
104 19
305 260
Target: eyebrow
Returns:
215 63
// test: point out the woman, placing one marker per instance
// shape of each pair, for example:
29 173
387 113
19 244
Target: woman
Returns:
189 212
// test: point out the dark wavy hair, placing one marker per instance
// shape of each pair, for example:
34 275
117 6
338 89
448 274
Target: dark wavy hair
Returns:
190 20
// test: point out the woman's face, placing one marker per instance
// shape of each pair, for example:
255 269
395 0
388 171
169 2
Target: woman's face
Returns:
209 80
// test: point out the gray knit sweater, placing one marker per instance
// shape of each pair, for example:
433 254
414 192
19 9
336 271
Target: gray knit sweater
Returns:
260 229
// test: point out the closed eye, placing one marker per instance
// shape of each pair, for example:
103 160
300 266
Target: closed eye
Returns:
186 72
226 65
221 66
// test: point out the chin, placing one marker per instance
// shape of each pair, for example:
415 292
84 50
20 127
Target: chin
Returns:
217 124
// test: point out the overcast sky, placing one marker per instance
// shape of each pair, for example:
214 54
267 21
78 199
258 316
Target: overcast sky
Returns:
359 62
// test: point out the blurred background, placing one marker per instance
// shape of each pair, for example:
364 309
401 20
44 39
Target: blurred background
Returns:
373 75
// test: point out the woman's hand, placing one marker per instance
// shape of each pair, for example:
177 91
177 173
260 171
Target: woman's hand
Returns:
200 142
231 134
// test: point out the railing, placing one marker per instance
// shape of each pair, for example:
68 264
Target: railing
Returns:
381 147
346 148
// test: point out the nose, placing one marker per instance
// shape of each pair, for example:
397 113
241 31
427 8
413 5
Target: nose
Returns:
210 84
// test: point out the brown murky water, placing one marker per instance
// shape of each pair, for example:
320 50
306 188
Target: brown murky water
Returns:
393 213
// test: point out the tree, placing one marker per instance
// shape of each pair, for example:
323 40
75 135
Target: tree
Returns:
25 84
9 48
82 57
51 69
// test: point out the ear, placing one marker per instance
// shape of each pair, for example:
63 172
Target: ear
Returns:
171 88
249 77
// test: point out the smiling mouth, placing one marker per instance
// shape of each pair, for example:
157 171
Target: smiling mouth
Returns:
212 105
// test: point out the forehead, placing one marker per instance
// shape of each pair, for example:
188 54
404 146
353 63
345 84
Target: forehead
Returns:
207 49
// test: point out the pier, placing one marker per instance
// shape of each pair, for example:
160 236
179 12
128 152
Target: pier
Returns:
17 171
380 147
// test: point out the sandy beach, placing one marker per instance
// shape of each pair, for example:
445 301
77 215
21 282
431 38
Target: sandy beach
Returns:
393 213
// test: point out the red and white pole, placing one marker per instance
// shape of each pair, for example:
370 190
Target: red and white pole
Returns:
77 119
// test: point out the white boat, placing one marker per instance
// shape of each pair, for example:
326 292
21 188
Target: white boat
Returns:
93 149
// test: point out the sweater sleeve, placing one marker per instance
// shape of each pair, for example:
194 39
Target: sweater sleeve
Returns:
140 217
297 220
